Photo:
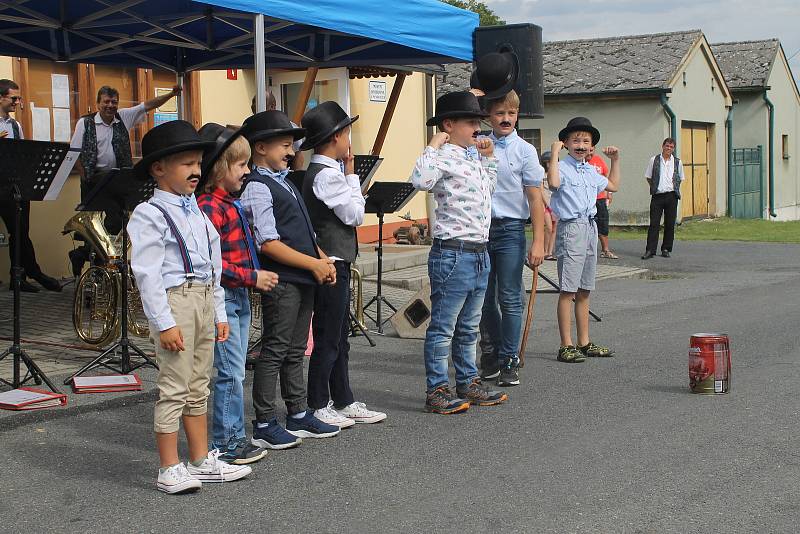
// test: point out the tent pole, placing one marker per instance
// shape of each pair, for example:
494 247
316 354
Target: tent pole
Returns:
305 94
260 63
388 114
182 96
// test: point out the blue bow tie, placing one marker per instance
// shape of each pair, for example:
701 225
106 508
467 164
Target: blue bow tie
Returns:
582 165
472 153
188 203
501 142
279 176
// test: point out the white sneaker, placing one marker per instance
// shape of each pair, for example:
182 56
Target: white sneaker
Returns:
330 416
177 479
358 413
215 470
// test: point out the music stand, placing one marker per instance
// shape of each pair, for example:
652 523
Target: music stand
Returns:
119 190
382 198
32 171
365 167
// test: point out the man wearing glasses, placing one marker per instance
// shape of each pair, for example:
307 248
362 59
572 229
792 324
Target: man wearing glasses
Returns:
10 129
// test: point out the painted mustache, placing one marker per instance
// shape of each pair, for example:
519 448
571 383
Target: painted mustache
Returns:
193 177
581 150
475 134
505 124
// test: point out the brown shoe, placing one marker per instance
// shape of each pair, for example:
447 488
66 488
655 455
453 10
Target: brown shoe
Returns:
478 394
441 400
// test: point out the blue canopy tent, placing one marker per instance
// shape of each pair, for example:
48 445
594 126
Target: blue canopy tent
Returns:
185 35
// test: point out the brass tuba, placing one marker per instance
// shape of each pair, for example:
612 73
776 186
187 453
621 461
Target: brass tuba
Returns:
89 224
357 296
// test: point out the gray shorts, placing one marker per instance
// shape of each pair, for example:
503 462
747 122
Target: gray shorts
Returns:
576 250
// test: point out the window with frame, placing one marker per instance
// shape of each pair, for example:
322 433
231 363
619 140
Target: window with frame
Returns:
785 146
533 136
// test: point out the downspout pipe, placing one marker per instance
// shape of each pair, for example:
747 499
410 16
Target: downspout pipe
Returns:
771 152
729 128
673 122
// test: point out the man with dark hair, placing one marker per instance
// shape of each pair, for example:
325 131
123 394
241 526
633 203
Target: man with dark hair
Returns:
664 174
10 129
104 142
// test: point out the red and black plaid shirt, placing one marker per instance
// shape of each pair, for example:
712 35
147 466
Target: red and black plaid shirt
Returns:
237 266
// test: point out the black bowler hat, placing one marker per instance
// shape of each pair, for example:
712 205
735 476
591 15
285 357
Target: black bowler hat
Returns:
222 138
457 105
166 139
580 124
495 74
323 121
268 124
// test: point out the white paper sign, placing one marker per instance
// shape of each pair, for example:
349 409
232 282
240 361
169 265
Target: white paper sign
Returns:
41 123
377 91
60 88
61 127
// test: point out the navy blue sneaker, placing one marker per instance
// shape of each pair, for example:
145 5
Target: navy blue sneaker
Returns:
273 436
309 426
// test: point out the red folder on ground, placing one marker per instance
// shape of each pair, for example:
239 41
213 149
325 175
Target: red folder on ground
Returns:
30 399
106 383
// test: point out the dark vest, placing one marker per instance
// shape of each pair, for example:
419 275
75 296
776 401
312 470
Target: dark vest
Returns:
15 129
293 225
120 142
656 175
334 237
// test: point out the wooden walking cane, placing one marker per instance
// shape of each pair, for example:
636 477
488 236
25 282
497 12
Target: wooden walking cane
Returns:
529 317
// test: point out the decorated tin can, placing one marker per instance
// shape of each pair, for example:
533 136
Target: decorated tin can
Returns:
709 364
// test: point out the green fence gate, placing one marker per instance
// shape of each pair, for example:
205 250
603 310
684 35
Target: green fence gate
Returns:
746 195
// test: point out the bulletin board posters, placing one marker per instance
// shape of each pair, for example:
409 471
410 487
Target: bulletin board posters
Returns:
167 112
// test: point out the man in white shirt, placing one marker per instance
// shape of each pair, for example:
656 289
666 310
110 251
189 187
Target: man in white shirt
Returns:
10 130
664 174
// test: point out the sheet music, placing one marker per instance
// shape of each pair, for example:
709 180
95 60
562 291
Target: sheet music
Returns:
62 174
20 396
112 380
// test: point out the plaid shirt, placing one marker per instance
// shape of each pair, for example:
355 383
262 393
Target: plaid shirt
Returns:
237 266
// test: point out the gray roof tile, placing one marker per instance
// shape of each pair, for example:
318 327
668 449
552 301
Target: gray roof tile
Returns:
629 63
747 63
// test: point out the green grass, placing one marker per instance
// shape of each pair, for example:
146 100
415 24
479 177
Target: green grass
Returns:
724 229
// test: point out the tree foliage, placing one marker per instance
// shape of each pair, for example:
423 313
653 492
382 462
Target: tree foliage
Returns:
487 16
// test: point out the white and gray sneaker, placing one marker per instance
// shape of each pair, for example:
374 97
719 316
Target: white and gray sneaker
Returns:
330 416
177 479
215 470
358 413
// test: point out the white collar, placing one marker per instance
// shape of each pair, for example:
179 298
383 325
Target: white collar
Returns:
325 160
99 120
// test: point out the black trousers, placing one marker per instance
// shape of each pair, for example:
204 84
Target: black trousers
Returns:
328 375
28 255
666 204
285 317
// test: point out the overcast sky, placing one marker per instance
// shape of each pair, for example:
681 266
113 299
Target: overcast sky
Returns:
720 21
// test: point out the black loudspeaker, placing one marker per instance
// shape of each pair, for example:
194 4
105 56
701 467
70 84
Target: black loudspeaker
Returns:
525 40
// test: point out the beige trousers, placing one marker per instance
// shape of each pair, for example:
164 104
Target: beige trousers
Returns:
183 377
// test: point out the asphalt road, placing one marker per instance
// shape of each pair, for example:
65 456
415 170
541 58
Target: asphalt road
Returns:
616 445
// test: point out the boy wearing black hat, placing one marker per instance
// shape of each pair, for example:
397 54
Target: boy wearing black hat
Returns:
575 185
223 170
287 246
175 257
332 193
461 170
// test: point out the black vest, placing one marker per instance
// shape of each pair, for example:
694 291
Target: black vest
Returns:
293 225
334 237
655 179
120 144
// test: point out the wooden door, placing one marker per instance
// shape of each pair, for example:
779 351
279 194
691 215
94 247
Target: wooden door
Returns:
695 158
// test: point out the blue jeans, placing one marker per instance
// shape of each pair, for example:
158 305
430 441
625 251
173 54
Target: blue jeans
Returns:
458 284
502 308
229 360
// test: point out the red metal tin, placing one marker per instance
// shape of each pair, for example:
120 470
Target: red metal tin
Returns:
709 364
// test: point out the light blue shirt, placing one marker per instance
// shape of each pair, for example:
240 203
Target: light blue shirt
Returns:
257 205
517 167
156 258
577 196
6 126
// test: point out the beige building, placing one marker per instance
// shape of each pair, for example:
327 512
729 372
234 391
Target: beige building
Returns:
211 96
638 90
760 78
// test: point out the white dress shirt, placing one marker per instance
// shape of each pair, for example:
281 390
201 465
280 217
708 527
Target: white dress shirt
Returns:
340 193
462 184
105 152
156 259
667 169
6 126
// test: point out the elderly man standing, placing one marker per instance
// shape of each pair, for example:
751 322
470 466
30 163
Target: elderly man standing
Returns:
664 174
104 141
10 129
